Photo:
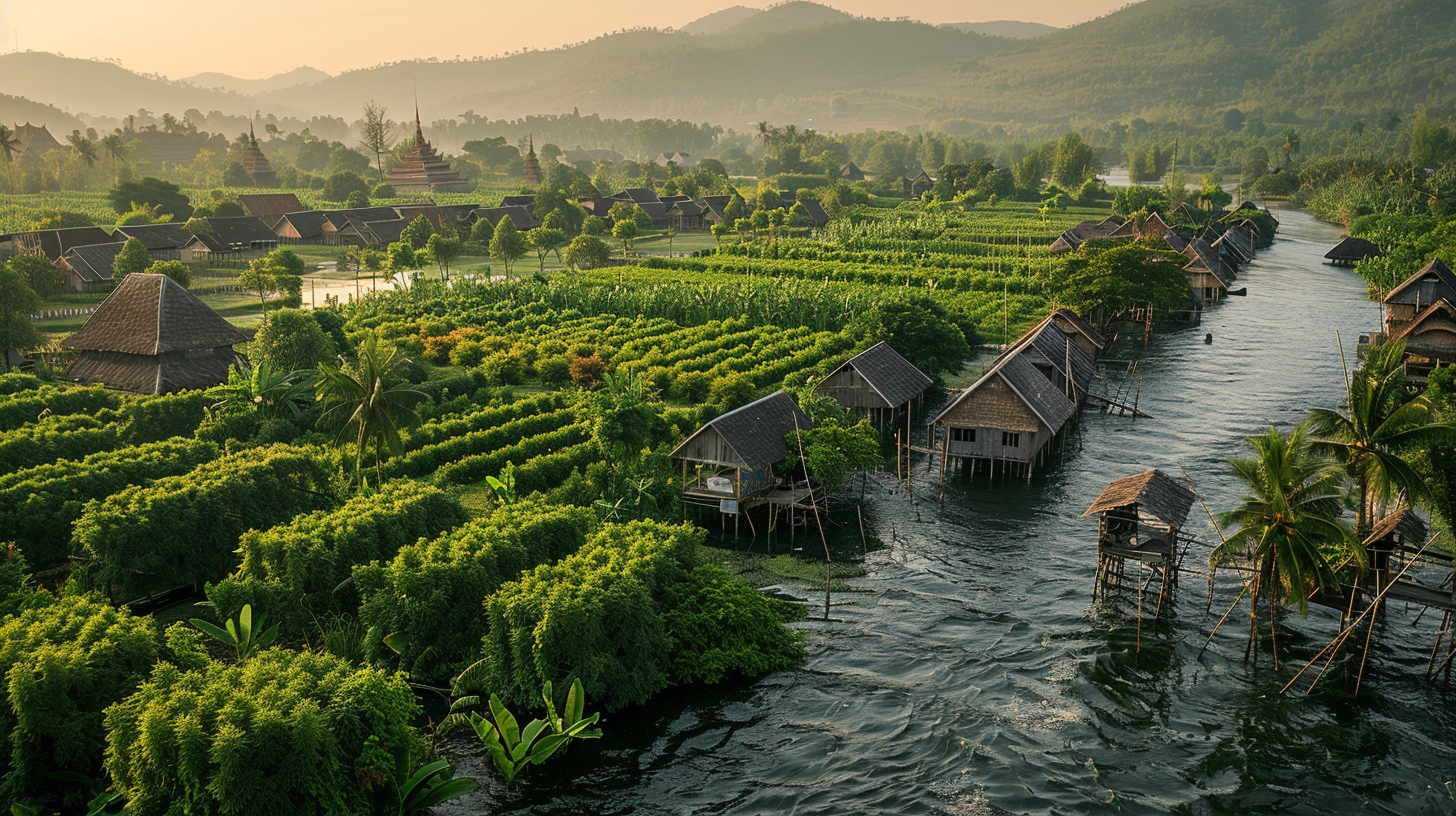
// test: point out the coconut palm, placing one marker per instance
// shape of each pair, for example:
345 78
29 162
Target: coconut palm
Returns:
9 143
370 399
86 150
263 390
1287 530
1381 421
115 148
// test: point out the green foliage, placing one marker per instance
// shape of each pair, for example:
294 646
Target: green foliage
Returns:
38 505
431 593
370 400
587 252
418 233
513 748
65 663
24 407
285 732
18 301
262 392
56 437
242 635
292 340
39 273
340 185
152 192
920 329
430 785
1102 281
835 450
176 270
297 568
716 627
595 615
507 244
183 529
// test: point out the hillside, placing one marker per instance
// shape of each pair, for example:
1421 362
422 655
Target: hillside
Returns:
16 110
1280 60
298 76
1011 29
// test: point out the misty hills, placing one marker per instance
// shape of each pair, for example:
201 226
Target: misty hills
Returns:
298 76
1011 29
1284 60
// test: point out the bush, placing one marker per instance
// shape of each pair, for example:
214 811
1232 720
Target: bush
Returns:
692 386
65 663
302 562
733 391
384 191
16 382
554 370
717 626
292 340
432 592
184 529
54 438
340 185
503 368
38 505
164 416
587 372
24 407
285 732
596 615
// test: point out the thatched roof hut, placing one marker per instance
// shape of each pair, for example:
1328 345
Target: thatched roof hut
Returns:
152 336
732 456
877 378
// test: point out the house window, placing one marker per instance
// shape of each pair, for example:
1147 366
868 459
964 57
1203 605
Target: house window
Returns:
963 434
1010 440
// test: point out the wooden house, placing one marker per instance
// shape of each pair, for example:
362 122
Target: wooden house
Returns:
728 463
636 195
517 201
52 243
271 207
153 336
1065 363
163 241
1207 272
1430 340
379 234
918 186
1140 517
520 216
851 172
340 227
231 238
1235 246
304 227
1432 283
812 212
686 215
89 268
1008 418
1081 332
681 160
1352 251
715 209
877 382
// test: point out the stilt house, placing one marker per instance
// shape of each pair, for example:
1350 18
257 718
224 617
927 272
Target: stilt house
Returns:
876 382
1207 272
152 336
1141 516
1415 294
1430 340
1352 251
1008 417
728 463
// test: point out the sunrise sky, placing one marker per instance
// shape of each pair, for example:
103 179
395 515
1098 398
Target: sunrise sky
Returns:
259 38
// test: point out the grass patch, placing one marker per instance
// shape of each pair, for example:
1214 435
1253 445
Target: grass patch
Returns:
759 570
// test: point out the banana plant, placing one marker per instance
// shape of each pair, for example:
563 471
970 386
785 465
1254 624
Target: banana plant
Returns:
504 487
429 786
512 748
571 724
244 636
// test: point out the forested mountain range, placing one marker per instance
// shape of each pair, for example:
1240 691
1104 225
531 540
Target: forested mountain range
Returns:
1286 61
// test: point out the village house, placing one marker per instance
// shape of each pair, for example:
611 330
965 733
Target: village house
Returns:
727 464
1007 418
877 383
1352 251
89 268
164 242
52 243
271 207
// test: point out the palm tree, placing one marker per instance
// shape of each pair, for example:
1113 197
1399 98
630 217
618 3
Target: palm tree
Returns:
1380 422
115 148
265 391
9 142
1288 529
370 399
86 149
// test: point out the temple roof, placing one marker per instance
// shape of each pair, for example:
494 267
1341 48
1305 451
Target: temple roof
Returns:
423 166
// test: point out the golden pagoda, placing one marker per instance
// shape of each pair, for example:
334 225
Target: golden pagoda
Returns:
423 169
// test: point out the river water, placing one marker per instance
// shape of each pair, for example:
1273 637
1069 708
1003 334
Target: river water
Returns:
971 674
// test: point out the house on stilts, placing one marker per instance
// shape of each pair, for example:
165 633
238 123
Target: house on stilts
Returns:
1140 517
1006 419
876 383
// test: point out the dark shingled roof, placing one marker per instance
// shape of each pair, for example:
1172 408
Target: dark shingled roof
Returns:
816 212
308 224
894 378
341 218
95 263
387 232
755 433
518 201
148 374
1154 492
1046 341
636 195
158 237
153 314
520 216
1200 254
242 232
1082 326
1035 390
54 243
1437 269
265 204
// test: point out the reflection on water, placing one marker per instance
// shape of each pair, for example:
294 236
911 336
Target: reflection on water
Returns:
971 677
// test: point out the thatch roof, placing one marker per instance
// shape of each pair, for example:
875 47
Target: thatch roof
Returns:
152 314
1080 326
1438 318
851 172
518 201
1403 521
1034 390
1441 284
1155 493
35 139
755 433
894 378
1203 257
816 213
1047 344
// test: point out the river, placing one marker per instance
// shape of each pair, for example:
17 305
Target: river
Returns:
971 675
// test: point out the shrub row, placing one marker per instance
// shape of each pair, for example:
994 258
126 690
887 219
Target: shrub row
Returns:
25 407
472 469
38 505
428 459
54 438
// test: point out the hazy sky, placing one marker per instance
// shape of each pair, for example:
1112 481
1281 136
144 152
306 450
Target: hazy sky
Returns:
259 38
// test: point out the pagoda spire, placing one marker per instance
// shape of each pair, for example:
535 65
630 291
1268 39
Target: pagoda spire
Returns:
419 131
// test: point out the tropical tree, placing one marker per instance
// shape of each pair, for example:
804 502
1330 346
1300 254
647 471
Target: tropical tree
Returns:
546 239
507 245
444 249
17 303
115 148
264 390
624 231
9 143
1381 422
377 135
1287 530
86 151
133 258
370 400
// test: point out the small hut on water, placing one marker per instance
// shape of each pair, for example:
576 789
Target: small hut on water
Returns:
1007 417
1430 340
728 463
876 382
1352 251
1415 294
1140 517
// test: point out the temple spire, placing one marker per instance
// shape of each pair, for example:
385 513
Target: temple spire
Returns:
419 131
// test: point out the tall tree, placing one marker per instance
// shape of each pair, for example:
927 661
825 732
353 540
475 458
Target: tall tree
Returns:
370 400
132 258
86 151
544 240
8 145
115 147
444 249
378 136
507 244
1380 422
1288 529
17 303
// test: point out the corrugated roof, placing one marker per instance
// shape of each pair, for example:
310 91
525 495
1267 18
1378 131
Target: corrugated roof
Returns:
1154 492
894 378
152 314
755 433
